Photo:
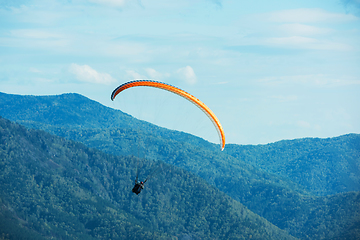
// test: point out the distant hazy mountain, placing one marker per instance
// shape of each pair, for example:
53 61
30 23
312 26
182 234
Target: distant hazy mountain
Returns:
59 189
322 166
280 181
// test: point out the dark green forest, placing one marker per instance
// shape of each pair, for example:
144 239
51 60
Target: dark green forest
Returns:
57 188
307 187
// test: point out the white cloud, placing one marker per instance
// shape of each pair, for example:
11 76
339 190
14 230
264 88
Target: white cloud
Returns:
187 74
153 74
308 15
35 38
300 42
312 80
111 3
292 41
313 29
85 73
303 30
134 75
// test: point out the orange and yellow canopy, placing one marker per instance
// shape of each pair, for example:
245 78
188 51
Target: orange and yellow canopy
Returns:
182 93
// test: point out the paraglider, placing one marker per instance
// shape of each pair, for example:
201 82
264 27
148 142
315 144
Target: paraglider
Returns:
182 93
139 185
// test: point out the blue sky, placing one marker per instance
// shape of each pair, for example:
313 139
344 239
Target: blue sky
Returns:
270 70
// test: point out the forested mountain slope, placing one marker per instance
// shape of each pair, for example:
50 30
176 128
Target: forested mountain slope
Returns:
323 166
279 181
330 165
74 111
62 189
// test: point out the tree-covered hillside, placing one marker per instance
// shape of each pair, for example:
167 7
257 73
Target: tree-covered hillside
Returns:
61 189
280 181
331 165
322 166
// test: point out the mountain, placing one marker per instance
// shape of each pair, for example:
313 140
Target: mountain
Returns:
334 161
322 166
74 111
56 188
283 182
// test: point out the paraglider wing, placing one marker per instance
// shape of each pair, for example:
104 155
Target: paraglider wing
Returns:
182 93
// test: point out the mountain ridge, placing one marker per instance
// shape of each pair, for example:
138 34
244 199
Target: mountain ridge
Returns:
252 168
60 188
